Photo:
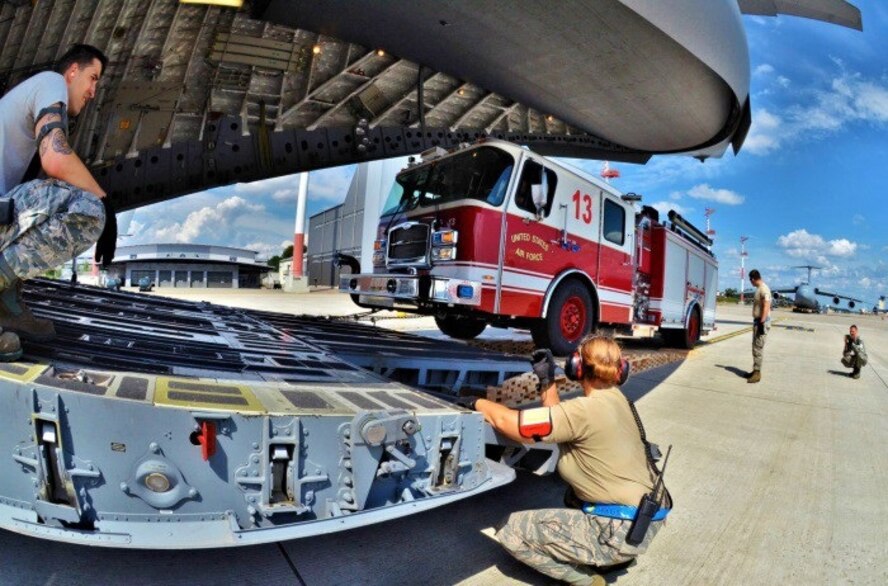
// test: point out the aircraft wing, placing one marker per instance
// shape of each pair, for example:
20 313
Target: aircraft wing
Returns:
833 11
828 294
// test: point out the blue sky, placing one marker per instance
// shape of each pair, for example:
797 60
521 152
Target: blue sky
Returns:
808 187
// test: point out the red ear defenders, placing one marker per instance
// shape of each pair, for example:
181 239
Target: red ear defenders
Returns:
573 368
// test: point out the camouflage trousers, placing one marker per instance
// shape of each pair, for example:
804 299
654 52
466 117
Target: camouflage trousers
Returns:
758 346
54 222
853 361
564 543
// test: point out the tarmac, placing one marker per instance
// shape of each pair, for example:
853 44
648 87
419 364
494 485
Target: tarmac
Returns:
781 482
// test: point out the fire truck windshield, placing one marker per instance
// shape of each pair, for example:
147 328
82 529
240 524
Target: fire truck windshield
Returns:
482 173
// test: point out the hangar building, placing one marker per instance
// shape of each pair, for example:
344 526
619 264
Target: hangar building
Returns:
189 265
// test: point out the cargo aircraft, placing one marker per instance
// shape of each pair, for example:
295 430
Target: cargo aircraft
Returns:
199 95
153 423
810 299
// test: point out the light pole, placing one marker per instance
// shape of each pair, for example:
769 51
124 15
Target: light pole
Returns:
743 255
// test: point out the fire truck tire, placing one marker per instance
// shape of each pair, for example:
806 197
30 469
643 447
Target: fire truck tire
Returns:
570 317
460 327
686 338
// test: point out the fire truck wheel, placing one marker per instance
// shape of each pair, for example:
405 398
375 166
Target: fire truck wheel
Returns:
686 338
459 327
570 317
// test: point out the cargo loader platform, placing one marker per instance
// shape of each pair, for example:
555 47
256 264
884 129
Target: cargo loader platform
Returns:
155 423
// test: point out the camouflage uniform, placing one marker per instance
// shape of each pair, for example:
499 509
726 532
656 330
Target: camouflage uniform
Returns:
762 297
54 222
758 345
564 543
854 355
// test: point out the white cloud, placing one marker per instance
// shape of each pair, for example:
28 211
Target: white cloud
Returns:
858 219
763 69
764 133
267 186
330 185
218 217
266 249
659 174
285 195
664 206
135 228
724 196
802 244
849 98
842 248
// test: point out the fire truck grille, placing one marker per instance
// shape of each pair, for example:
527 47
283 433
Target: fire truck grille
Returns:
408 243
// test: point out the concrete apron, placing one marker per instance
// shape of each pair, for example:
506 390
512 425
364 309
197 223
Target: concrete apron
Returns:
777 482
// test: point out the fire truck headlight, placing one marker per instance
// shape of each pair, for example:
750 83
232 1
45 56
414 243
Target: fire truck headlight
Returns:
444 238
442 254
378 259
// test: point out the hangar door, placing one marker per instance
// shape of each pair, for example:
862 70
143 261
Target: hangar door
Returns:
219 279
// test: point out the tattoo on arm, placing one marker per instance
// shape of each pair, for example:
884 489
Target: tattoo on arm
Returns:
60 142
44 144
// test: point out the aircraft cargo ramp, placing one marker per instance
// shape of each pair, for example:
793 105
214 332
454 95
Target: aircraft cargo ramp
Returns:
156 423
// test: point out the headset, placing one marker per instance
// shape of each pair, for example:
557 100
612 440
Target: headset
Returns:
574 368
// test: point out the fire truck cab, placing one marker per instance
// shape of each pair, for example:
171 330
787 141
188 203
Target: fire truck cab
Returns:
494 234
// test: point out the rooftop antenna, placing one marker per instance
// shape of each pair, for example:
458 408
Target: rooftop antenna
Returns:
743 255
607 173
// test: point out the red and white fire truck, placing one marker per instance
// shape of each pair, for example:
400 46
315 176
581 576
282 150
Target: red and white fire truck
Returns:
494 234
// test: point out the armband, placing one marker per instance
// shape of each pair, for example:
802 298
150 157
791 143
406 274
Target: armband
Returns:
62 124
535 423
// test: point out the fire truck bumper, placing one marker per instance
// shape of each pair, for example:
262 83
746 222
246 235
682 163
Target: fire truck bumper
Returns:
386 289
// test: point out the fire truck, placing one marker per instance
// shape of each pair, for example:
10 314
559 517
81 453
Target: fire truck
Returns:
494 234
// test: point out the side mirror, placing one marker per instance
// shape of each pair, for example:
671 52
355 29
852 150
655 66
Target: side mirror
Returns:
539 198
539 192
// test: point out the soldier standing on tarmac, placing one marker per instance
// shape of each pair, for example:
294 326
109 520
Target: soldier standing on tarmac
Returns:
46 221
761 323
854 354
604 460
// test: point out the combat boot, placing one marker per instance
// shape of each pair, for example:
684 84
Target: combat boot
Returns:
10 347
16 317
855 373
755 377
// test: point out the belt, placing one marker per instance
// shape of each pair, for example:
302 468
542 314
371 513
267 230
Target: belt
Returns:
619 511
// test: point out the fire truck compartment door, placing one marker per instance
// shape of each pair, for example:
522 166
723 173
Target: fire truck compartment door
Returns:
615 266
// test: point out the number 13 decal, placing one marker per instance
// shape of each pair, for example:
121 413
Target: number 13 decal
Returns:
586 207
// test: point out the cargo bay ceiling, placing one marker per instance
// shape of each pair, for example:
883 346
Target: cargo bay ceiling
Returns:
197 96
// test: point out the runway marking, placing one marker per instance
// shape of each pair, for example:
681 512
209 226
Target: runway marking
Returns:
739 332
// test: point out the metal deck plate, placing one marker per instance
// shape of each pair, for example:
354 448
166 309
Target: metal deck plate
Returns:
120 331
238 427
